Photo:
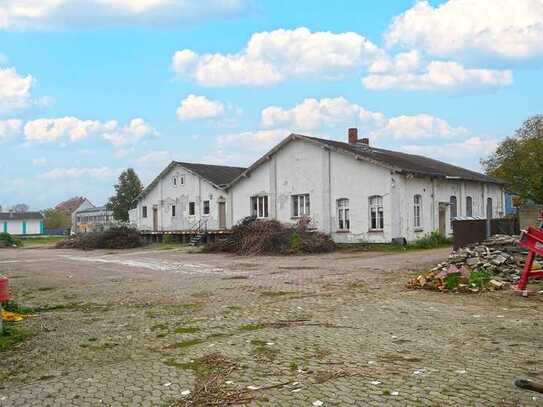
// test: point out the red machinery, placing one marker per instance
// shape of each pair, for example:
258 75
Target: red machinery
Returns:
531 239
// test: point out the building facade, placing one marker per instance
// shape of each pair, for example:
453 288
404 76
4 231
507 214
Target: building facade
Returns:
350 190
22 223
91 218
185 197
357 193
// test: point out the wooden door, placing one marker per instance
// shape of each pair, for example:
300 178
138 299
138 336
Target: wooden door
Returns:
155 219
443 220
222 215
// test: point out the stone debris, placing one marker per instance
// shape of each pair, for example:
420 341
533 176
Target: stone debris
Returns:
492 265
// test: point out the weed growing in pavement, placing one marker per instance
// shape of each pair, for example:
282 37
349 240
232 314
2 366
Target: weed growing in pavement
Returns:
12 336
251 327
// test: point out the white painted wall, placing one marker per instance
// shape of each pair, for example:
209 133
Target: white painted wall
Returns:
301 167
15 227
165 194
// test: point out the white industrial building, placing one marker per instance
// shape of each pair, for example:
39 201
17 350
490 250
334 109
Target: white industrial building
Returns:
21 223
186 197
352 191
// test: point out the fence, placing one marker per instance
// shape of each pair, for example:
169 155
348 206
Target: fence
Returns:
473 230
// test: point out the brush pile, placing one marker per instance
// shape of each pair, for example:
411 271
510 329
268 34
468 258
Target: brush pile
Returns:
269 237
114 238
490 265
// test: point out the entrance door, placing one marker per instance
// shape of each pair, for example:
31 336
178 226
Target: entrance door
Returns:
155 219
442 220
222 215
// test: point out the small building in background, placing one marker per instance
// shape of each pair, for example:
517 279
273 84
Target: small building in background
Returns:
90 218
21 223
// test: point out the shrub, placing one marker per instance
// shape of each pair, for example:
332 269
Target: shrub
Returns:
254 237
7 240
114 238
430 241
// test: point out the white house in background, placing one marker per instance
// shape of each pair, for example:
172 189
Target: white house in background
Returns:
21 223
185 197
358 193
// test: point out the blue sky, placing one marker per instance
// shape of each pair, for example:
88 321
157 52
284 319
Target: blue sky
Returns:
90 87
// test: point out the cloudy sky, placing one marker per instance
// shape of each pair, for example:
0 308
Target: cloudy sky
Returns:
90 87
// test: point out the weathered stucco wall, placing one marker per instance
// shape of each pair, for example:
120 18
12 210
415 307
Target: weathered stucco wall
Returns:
165 194
305 168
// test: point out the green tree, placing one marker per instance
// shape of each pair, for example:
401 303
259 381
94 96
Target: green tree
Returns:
56 219
127 189
519 160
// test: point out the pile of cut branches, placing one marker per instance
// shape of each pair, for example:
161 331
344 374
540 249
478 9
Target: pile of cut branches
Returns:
114 238
270 237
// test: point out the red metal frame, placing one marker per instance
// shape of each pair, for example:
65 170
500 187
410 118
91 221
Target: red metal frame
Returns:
531 239
4 289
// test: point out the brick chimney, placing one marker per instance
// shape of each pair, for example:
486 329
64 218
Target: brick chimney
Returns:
353 135
365 141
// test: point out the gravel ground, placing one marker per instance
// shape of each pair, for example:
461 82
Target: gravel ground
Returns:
130 328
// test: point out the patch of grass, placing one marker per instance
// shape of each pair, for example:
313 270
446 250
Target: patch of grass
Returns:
187 343
251 327
41 240
46 288
293 366
358 285
261 350
99 347
187 330
12 336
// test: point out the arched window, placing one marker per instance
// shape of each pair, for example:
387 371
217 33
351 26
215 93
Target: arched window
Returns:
469 206
377 221
417 207
344 222
489 209
454 207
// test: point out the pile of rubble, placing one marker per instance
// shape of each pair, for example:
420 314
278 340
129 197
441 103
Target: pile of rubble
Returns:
491 265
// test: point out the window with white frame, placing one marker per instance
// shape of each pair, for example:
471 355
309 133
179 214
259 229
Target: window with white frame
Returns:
173 211
377 221
144 212
344 222
300 205
469 206
417 208
259 206
174 181
192 208
489 209
206 207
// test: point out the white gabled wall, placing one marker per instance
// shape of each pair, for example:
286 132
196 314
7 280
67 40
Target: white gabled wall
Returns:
302 167
165 194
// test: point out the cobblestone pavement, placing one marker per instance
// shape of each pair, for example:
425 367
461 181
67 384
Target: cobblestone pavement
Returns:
122 328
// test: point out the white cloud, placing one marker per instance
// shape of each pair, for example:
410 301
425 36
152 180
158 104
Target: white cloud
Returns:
199 107
100 173
252 140
465 152
440 76
320 116
9 128
313 114
14 91
39 162
74 129
272 57
417 127
510 29
402 62
51 14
